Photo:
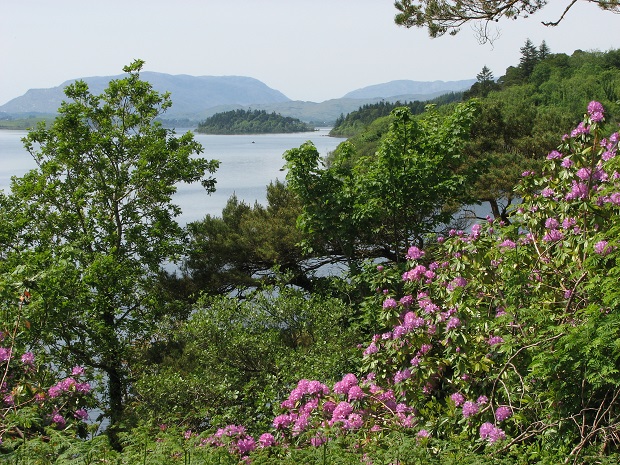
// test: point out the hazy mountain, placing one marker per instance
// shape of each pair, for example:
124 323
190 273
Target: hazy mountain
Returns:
197 97
405 87
189 93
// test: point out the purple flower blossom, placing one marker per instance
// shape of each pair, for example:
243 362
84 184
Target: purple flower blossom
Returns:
567 163
354 421
554 155
551 223
580 129
502 413
356 393
507 244
494 340
424 349
470 408
457 282
77 371
246 445
482 400
5 354
282 421
389 303
547 192
415 274
266 440
318 440
423 434
491 432
603 248
371 349
28 358
59 420
475 231
553 235
596 111
342 411
81 414
402 375
414 253
454 322
579 190
458 399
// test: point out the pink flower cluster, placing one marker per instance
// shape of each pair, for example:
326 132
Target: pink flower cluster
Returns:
235 438
491 432
68 385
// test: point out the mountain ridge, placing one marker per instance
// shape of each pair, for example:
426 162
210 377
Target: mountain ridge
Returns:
195 98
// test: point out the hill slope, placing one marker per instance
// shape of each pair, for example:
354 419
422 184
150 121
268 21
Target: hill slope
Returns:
189 93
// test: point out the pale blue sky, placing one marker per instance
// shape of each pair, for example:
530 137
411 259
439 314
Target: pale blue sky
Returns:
310 50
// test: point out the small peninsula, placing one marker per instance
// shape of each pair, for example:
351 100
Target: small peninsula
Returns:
251 122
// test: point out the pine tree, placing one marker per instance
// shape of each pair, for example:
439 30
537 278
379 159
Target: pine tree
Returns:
543 51
529 58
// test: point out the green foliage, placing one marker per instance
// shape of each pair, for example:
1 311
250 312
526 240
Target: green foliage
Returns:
236 359
244 246
357 121
373 206
88 229
251 122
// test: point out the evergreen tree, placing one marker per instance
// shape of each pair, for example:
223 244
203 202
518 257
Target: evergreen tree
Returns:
529 58
543 51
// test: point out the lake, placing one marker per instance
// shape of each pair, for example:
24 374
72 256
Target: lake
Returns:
248 163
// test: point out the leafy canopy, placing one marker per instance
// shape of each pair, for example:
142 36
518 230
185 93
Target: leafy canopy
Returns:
89 228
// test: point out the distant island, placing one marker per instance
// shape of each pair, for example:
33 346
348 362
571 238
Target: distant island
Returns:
251 122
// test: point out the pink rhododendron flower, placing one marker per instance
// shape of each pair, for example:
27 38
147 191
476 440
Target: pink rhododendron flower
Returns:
77 371
491 432
414 253
470 409
603 248
389 303
454 322
27 358
5 354
551 223
502 413
81 414
494 340
458 399
266 440
596 111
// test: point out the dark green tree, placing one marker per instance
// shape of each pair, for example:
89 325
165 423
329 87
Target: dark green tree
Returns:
543 50
90 227
243 247
485 83
529 58
378 205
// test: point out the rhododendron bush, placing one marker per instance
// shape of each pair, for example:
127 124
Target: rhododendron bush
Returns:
506 334
33 398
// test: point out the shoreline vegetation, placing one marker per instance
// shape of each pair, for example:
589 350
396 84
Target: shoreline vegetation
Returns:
236 122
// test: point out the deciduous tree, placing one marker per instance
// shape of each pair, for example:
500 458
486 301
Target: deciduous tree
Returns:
89 228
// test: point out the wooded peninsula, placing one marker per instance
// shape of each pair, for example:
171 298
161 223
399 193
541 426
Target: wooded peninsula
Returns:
251 122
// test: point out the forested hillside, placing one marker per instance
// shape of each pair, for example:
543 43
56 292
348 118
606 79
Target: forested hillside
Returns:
251 122
357 317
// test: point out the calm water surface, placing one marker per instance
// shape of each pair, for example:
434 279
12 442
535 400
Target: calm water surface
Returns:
248 163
